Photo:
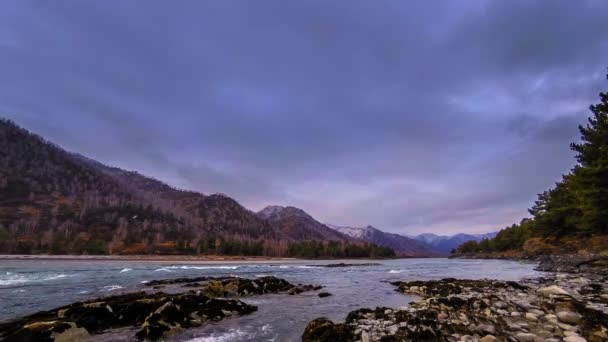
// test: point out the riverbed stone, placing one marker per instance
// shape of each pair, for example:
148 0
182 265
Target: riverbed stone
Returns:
569 317
464 310
552 290
531 317
525 337
574 339
488 338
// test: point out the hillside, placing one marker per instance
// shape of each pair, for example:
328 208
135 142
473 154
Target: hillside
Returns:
402 245
54 201
59 202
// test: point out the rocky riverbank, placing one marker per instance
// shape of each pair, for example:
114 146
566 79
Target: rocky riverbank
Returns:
564 307
156 313
567 263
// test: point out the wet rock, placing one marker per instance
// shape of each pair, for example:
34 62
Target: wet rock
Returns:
36 331
324 294
73 334
225 287
324 330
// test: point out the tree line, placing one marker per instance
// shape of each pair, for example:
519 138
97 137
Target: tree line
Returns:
575 209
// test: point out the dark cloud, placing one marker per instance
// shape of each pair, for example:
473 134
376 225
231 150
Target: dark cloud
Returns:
439 117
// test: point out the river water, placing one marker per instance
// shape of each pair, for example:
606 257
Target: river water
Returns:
27 286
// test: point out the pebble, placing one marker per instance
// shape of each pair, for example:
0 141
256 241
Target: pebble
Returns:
552 290
525 337
537 312
531 317
574 339
488 338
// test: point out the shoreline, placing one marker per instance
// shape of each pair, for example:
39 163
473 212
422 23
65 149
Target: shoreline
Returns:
209 259
561 306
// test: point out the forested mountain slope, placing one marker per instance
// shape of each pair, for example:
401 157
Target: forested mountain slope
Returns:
54 201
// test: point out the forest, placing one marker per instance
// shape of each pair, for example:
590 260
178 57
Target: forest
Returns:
571 216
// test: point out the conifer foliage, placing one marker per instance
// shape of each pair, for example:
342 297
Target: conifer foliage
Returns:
577 207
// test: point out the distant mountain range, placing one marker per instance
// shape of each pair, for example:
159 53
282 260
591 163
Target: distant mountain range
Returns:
446 244
403 246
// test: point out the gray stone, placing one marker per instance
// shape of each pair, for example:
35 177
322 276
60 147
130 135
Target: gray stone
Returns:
487 328
525 337
531 317
569 317
574 339
537 312
552 290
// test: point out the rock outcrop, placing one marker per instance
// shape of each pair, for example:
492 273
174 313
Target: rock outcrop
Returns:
237 287
156 313
574 263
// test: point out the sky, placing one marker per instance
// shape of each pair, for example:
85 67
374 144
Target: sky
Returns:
411 116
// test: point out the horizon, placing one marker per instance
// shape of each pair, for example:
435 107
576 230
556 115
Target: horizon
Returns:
370 116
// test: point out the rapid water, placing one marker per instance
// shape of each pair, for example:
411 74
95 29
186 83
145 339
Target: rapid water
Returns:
27 286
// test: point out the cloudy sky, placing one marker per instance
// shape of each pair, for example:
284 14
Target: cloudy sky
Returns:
429 117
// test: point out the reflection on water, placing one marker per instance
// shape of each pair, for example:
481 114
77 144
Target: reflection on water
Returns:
27 286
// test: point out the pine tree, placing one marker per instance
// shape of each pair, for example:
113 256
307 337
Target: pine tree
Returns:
591 175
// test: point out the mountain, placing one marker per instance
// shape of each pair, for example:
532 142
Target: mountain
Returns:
446 244
56 201
402 245
299 225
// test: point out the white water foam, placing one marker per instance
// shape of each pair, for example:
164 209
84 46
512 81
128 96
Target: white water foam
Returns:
396 271
112 288
171 268
298 266
58 276
125 270
230 335
20 279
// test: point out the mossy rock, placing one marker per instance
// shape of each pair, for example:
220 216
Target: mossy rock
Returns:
324 330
